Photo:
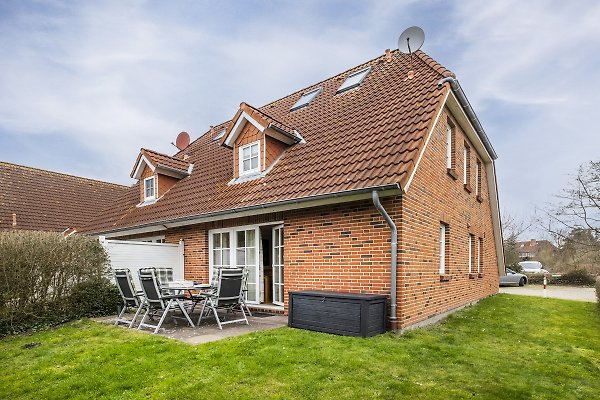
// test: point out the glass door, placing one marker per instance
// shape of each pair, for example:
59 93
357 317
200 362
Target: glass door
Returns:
220 253
278 295
246 256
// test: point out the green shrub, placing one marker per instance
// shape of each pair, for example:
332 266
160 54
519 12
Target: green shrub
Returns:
578 277
38 272
94 298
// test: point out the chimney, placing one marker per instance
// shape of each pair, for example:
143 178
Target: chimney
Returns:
532 243
14 224
388 55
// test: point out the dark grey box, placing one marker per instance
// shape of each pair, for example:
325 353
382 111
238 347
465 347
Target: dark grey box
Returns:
349 314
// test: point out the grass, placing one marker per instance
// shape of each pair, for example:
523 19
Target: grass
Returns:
506 347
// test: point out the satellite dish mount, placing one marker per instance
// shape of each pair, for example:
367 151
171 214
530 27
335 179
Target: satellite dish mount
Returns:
410 41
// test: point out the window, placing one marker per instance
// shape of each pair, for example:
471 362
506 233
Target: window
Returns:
354 80
449 137
478 178
249 159
149 188
471 252
220 135
479 255
443 248
467 167
306 98
221 251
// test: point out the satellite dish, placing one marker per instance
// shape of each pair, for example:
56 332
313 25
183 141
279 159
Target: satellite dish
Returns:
183 140
411 40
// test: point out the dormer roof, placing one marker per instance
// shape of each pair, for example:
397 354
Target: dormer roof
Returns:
263 122
165 164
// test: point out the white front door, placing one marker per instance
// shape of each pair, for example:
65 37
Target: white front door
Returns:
246 256
278 295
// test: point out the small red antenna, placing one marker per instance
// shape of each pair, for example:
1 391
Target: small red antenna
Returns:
182 141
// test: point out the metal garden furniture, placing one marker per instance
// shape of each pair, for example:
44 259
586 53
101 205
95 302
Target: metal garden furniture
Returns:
157 301
228 294
131 298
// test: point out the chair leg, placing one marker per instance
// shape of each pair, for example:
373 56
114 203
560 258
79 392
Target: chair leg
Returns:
202 311
144 318
121 314
243 313
163 316
187 316
137 313
246 305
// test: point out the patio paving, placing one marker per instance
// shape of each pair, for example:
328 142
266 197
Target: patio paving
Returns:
208 331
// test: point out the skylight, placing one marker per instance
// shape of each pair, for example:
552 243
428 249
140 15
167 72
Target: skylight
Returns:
354 80
306 99
220 135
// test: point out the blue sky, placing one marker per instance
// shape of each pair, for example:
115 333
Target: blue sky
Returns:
84 85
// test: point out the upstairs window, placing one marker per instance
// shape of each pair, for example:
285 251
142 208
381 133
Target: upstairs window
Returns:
478 178
467 167
471 252
354 80
249 158
149 188
305 99
449 136
479 253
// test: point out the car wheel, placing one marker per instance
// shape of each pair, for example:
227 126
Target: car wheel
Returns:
522 282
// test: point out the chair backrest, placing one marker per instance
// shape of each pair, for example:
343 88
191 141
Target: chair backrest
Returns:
151 287
164 274
229 287
125 285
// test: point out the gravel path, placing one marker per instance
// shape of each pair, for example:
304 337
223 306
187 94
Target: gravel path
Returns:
557 292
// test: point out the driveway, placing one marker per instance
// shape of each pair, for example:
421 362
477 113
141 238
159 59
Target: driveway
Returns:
557 292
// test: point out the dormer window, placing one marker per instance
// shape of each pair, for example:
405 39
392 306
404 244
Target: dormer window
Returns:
149 188
249 158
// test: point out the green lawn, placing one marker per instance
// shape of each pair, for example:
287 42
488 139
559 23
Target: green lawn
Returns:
508 347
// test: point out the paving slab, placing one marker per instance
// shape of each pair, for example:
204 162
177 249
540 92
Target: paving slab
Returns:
556 292
208 331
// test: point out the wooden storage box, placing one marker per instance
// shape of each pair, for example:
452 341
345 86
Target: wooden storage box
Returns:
350 314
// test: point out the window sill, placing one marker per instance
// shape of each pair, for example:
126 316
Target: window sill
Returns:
480 275
479 198
452 173
472 276
468 188
444 278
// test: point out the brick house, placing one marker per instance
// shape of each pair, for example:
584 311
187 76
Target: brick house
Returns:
40 200
305 192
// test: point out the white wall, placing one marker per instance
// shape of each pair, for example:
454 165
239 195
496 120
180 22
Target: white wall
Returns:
135 255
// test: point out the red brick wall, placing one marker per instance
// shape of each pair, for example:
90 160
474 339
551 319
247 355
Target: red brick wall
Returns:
433 197
339 248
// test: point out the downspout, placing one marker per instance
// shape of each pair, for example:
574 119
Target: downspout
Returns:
464 102
394 249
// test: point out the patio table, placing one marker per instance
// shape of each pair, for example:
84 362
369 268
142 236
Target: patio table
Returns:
188 286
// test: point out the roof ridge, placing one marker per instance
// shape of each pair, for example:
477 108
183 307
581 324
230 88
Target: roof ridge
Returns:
268 115
434 65
161 154
61 173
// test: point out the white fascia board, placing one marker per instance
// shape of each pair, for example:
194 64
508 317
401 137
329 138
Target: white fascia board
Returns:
239 124
435 121
495 209
139 168
465 123
245 213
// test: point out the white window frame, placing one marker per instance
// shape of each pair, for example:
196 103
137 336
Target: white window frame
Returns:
153 179
471 237
442 248
477 176
241 159
479 250
448 146
465 164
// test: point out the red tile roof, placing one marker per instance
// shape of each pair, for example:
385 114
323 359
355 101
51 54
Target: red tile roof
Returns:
161 160
51 201
370 136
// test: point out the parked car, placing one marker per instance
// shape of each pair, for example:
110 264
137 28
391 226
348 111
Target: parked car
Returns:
513 278
532 267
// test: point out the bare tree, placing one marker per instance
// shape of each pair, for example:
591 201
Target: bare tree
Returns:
512 228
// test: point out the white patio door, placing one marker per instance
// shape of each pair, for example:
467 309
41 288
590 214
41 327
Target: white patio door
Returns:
278 295
246 256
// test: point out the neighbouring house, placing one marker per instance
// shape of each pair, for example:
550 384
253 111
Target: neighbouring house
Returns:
530 249
40 200
306 191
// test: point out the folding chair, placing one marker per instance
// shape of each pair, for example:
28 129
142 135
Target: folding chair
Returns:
156 301
245 290
228 294
201 297
131 298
